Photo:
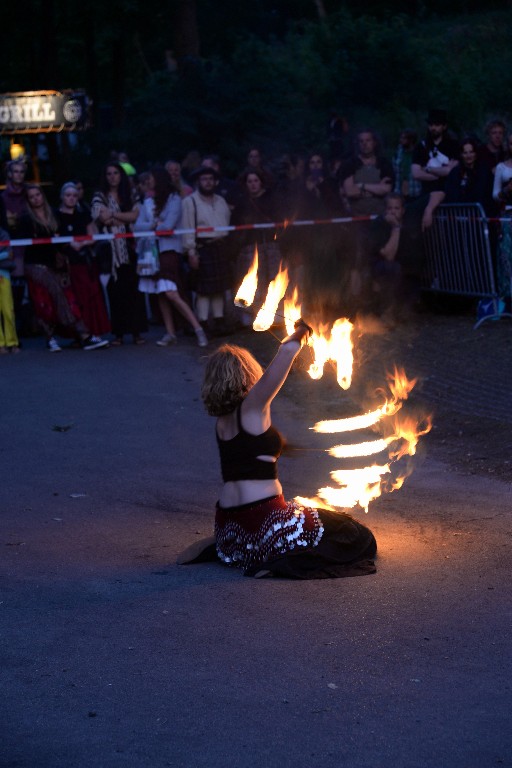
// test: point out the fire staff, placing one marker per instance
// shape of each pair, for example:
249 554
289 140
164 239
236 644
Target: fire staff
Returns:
256 529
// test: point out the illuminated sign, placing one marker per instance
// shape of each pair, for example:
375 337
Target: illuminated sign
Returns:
43 111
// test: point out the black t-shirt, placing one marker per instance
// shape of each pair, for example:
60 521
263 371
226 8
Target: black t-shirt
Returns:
437 154
351 166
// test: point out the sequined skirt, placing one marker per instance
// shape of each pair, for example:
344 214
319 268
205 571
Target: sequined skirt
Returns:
288 539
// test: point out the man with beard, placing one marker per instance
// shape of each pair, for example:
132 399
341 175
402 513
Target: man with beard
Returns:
208 257
432 161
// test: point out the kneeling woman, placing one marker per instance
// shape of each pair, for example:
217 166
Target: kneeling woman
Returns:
255 528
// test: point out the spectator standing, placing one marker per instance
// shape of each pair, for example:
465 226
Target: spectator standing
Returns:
366 179
257 206
226 188
502 193
83 269
493 151
48 278
470 181
8 336
173 168
82 204
162 211
255 162
432 160
207 253
113 211
15 205
405 183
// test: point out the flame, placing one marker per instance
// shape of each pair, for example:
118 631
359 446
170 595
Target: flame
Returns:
399 438
275 292
292 311
333 345
247 291
399 432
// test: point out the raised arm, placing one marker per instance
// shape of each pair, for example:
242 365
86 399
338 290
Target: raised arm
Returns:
263 392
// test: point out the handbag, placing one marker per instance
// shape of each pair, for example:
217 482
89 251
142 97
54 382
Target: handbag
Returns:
148 261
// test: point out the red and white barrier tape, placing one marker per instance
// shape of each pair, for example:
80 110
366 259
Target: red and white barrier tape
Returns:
205 230
170 232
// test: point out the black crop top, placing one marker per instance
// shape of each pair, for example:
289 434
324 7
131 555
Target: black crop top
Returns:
238 456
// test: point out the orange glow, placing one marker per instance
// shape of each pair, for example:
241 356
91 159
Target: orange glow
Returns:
292 311
247 291
276 290
398 432
400 435
334 345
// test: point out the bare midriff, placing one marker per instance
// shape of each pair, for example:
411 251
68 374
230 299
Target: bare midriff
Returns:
234 494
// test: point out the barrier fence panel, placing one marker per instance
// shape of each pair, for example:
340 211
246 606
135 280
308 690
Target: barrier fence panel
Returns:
458 256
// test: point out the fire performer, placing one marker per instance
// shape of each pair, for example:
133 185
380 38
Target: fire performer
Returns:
255 528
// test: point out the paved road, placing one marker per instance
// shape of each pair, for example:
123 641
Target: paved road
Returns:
112 655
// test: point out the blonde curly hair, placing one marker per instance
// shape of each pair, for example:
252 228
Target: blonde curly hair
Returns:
230 373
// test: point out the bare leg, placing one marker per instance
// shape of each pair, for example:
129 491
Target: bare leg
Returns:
202 308
183 308
165 309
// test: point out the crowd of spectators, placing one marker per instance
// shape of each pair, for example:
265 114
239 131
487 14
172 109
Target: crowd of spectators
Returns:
101 293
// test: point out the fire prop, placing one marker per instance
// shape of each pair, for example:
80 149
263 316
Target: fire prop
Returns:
399 432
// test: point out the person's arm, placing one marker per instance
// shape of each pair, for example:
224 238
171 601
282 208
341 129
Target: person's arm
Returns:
145 219
171 214
125 217
440 172
188 221
351 190
380 188
435 199
257 403
420 174
390 249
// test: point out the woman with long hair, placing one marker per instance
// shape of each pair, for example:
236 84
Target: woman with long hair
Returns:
47 273
113 211
256 529
162 211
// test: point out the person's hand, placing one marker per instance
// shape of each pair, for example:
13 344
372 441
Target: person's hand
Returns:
392 219
301 333
427 219
193 260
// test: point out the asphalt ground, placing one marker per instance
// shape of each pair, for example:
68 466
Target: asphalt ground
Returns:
113 655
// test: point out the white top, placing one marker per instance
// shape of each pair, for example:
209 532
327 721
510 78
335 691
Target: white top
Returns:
502 176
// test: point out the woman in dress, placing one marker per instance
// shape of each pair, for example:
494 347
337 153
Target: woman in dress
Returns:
502 193
255 528
83 269
47 273
113 211
162 211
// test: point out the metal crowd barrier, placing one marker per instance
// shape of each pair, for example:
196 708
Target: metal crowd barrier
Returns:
458 257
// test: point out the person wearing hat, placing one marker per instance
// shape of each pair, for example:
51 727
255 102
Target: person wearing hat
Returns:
207 255
432 161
